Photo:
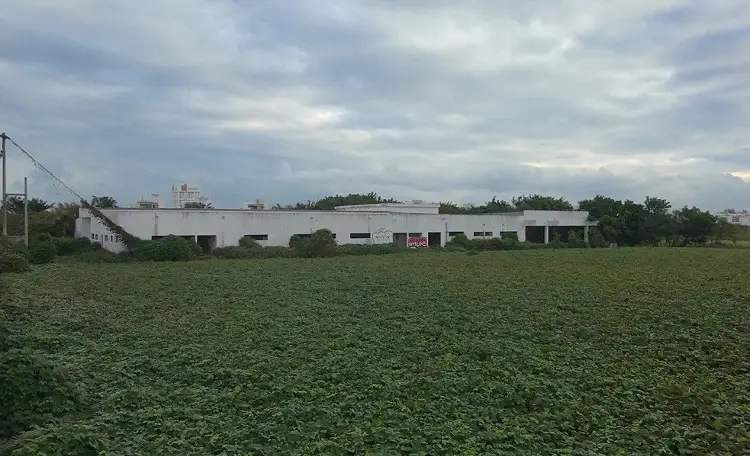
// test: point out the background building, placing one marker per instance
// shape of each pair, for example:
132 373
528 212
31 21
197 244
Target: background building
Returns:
363 224
184 193
737 218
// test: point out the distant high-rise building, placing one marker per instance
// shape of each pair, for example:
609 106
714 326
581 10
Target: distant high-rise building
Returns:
184 193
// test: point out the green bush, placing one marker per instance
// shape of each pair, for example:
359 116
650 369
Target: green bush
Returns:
238 253
248 242
494 244
459 240
596 239
365 249
69 246
278 252
233 253
321 244
42 249
575 241
298 243
14 246
98 256
557 242
195 248
11 261
168 248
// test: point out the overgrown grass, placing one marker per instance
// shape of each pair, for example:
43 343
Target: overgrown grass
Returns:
611 351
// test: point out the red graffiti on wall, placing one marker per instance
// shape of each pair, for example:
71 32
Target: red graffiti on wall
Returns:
417 242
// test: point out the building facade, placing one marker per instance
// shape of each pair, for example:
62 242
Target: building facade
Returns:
365 224
183 194
737 218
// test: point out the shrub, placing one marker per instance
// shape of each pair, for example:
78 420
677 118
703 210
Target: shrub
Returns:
575 241
168 248
367 249
95 246
232 253
100 256
494 244
13 246
453 248
596 239
69 246
248 242
298 243
557 242
42 250
195 248
321 244
510 235
459 240
279 252
237 252
11 261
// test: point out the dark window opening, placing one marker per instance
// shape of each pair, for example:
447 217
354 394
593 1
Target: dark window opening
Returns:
258 237
483 233
304 236
509 234
415 234
359 235
455 233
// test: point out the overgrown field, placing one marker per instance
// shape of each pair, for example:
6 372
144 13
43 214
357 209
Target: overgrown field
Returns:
613 351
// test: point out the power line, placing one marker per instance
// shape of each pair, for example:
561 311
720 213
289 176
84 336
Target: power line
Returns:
38 165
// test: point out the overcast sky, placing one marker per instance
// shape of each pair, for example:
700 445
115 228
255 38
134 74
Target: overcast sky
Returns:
292 100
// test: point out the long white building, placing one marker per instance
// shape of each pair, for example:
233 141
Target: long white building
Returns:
403 224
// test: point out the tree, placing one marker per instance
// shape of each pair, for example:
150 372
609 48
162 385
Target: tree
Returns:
65 219
695 226
329 203
606 211
658 222
541 203
496 206
725 231
450 208
197 205
103 202
16 205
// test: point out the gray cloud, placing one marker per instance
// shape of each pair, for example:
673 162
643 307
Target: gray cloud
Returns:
456 101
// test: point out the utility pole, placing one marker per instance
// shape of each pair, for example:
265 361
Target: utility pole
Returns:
5 183
26 211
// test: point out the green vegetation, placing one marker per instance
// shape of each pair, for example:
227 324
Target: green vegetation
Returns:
592 351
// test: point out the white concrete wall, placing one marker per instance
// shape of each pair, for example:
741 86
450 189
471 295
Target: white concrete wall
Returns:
230 225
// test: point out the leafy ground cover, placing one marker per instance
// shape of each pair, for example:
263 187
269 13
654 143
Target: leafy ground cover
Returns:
613 351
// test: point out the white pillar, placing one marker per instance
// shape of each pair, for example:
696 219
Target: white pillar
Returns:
546 234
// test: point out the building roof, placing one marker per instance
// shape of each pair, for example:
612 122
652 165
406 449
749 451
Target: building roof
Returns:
416 208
